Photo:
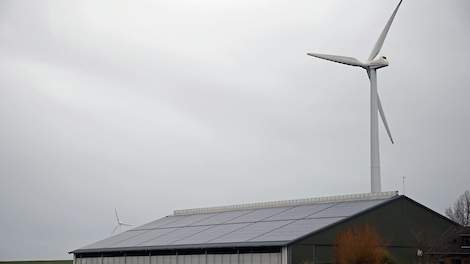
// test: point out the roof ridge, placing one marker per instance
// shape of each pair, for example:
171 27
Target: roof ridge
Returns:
283 203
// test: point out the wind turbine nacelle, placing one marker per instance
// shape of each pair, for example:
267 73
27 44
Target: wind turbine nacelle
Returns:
378 63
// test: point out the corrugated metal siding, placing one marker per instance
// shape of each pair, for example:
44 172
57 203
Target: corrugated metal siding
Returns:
247 258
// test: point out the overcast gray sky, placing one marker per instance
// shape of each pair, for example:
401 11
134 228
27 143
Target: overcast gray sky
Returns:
150 106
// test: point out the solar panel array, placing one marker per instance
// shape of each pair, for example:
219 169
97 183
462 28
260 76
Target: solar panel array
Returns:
261 225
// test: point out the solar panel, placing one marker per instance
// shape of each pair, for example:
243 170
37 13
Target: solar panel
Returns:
159 222
176 234
258 215
296 229
250 231
114 239
300 211
187 220
222 217
346 209
146 236
210 234
260 225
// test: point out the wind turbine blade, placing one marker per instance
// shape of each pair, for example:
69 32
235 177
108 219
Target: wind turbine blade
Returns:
382 115
125 224
117 217
339 59
383 35
114 230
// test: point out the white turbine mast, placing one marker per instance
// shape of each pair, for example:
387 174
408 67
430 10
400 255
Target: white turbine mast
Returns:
119 224
371 66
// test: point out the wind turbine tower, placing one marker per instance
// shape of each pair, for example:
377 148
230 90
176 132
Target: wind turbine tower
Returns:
371 65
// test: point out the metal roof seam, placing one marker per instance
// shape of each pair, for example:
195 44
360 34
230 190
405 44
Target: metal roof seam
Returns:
278 213
246 222
119 241
203 219
115 236
174 220
211 226
195 221
217 237
249 212
272 230
321 210
153 238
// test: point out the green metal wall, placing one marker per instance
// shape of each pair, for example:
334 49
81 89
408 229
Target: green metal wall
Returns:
402 224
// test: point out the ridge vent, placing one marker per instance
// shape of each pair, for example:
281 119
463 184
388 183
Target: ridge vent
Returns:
284 203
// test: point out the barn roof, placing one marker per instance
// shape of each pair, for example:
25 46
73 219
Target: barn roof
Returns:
256 224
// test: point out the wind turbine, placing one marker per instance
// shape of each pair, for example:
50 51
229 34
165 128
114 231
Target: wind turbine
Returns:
371 66
119 224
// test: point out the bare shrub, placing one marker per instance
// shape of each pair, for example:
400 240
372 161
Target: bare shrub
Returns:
360 245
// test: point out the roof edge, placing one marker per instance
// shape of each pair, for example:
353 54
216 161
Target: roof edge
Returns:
176 247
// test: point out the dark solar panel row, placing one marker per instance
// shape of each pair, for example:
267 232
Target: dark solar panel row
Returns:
255 225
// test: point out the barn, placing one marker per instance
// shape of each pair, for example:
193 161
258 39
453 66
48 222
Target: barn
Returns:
279 232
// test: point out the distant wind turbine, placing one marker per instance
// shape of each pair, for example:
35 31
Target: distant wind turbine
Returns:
119 224
371 66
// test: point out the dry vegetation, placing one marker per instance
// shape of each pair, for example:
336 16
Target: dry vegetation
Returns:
360 245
